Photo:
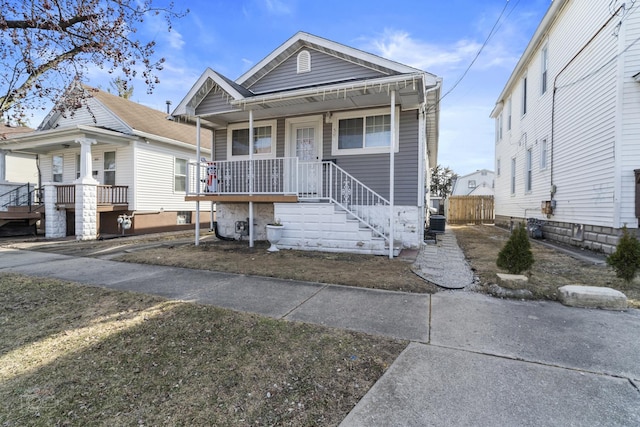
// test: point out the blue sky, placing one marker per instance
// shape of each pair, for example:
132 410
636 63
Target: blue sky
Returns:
441 37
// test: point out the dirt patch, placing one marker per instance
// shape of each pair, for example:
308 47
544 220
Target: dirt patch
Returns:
551 269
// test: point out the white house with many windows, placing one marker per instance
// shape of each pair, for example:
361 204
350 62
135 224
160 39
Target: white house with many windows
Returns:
568 126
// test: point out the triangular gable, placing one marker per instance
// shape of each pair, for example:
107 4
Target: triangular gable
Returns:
216 89
370 64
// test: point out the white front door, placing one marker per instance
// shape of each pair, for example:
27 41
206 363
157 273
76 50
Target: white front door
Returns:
306 144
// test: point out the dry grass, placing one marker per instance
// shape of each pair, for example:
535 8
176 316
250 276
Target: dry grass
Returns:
550 270
78 355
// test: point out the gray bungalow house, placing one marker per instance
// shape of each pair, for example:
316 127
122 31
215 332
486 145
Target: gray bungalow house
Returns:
332 142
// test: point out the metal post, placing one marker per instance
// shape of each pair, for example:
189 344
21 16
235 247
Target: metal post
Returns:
197 242
392 148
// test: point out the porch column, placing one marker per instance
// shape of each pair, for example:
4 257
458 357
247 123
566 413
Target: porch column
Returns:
392 148
197 238
55 223
86 195
3 166
251 177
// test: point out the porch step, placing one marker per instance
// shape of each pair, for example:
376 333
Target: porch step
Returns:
320 226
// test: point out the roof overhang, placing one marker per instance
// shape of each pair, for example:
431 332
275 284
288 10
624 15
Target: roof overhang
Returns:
538 37
42 142
302 39
410 95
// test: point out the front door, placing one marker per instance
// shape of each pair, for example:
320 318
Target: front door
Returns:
306 145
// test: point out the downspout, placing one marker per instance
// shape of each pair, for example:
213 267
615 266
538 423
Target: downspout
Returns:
251 178
197 242
213 158
424 160
392 172
553 189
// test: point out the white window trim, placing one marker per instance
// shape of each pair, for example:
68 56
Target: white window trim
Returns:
544 72
509 115
53 174
245 125
544 153
512 178
335 151
528 170
175 174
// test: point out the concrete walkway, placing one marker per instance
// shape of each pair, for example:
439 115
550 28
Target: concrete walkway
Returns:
472 359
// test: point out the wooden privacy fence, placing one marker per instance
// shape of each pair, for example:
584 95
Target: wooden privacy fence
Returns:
470 210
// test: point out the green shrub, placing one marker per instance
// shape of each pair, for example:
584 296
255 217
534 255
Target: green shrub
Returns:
626 258
516 255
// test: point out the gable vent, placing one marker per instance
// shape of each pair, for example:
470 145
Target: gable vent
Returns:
304 62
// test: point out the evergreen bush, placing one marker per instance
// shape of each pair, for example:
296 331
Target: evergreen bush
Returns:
626 258
516 255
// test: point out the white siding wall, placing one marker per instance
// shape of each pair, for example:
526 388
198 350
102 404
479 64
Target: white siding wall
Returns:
630 131
585 123
96 113
155 178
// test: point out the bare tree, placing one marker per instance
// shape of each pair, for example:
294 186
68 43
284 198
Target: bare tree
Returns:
46 45
122 87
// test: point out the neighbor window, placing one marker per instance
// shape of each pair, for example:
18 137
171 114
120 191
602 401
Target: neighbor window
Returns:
78 166
509 114
524 95
544 59
513 176
109 168
498 167
57 164
472 183
529 170
543 154
180 175
499 128
264 140
367 131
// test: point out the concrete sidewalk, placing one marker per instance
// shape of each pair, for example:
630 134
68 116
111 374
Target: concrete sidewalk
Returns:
473 360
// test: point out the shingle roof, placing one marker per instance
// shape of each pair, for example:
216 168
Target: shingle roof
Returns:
5 130
149 120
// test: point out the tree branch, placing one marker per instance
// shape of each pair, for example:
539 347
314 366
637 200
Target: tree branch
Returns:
48 25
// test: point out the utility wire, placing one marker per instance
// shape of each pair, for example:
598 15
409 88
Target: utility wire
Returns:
491 34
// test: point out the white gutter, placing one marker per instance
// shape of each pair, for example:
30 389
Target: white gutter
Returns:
173 141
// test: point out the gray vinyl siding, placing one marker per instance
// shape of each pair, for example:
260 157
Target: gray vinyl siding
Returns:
324 69
220 145
216 101
373 169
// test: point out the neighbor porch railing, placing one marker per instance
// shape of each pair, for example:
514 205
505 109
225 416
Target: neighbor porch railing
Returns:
23 195
107 195
287 175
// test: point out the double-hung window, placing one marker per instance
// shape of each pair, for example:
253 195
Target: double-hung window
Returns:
109 168
544 59
543 154
264 140
57 166
363 132
513 176
524 95
180 175
528 179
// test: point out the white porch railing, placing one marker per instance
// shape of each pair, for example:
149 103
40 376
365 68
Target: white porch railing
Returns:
286 175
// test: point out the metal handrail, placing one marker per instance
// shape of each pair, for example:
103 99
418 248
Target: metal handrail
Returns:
16 197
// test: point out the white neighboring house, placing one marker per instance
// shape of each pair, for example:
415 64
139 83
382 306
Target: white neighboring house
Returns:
478 183
567 126
112 162
16 168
